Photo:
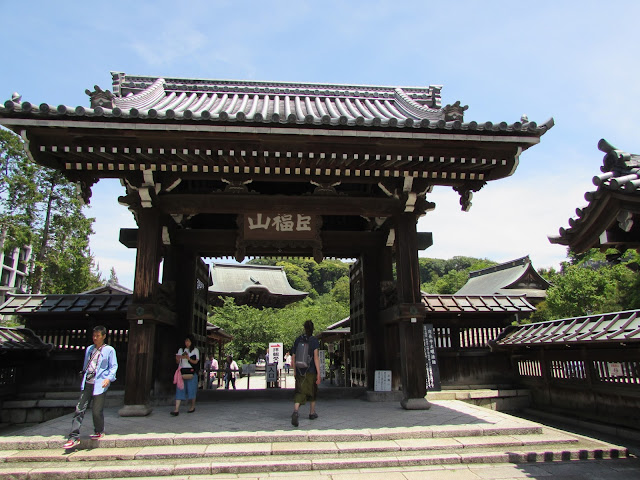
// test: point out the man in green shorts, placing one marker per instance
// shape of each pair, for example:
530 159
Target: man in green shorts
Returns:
304 357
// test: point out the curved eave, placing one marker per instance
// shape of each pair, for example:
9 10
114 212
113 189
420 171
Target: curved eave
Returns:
12 114
599 216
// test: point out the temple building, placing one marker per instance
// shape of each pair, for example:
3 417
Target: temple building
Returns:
220 169
516 277
258 286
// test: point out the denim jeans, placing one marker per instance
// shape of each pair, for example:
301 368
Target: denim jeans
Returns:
97 410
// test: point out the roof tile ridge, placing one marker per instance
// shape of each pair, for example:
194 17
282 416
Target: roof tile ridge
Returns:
413 108
143 99
501 266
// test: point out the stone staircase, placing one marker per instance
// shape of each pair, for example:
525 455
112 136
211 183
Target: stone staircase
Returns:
181 455
36 407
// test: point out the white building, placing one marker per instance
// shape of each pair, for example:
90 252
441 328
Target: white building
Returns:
14 271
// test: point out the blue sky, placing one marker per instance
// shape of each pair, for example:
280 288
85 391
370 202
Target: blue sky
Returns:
575 61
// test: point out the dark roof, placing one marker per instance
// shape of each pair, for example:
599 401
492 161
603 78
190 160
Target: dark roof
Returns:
603 328
437 303
609 218
229 279
21 339
218 333
65 304
516 277
211 101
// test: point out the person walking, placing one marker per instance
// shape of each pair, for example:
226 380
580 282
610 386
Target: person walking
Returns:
98 372
305 359
230 371
187 358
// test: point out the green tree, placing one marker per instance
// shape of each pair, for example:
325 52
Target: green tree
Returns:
40 208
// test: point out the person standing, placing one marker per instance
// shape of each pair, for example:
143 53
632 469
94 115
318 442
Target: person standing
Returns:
98 372
287 362
230 371
188 359
207 371
307 372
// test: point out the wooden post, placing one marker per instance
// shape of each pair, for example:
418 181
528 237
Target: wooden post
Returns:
142 331
412 359
374 341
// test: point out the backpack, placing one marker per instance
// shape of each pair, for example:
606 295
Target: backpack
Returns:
303 359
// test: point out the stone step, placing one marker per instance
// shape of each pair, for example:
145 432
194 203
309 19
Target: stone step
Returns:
127 468
20 442
114 449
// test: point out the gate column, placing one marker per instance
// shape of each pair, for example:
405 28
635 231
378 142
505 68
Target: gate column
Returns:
141 316
411 315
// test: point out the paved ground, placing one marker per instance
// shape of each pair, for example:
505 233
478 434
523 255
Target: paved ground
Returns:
254 415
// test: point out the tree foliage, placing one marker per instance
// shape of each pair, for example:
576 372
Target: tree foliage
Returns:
40 208
253 329
448 276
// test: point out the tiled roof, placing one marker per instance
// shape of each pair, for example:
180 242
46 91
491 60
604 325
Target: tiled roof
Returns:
436 303
611 205
509 278
143 97
600 328
234 279
82 303
21 339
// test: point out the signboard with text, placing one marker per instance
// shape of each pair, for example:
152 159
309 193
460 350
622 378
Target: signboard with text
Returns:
280 226
382 381
275 354
433 372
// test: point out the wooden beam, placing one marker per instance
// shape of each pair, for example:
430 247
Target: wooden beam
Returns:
187 204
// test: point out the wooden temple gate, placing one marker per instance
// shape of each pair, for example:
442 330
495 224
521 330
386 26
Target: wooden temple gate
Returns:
220 168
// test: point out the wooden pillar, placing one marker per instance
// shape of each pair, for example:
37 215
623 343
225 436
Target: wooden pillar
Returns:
412 359
374 340
142 328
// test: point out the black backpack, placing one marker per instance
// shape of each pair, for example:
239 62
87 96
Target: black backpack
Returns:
303 358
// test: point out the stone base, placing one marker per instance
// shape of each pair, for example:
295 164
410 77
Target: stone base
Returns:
135 411
415 404
394 396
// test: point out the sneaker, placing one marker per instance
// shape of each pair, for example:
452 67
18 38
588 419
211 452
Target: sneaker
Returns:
72 442
313 416
294 419
96 436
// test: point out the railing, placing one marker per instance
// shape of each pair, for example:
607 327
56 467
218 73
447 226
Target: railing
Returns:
597 383
464 358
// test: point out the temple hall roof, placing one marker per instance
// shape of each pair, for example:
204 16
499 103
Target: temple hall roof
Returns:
516 277
137 97
609 220
256 285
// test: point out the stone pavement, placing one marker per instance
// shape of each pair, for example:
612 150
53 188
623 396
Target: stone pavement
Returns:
265 420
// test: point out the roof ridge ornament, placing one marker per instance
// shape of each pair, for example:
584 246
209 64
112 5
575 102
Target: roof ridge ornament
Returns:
100 98
616 160
454 111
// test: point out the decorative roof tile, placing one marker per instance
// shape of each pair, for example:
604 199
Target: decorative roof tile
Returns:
155 98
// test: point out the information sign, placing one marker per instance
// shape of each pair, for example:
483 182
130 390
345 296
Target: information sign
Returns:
433 372
275 354
382 381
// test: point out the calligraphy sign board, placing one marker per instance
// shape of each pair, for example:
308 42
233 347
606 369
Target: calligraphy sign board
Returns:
433 371
280 226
